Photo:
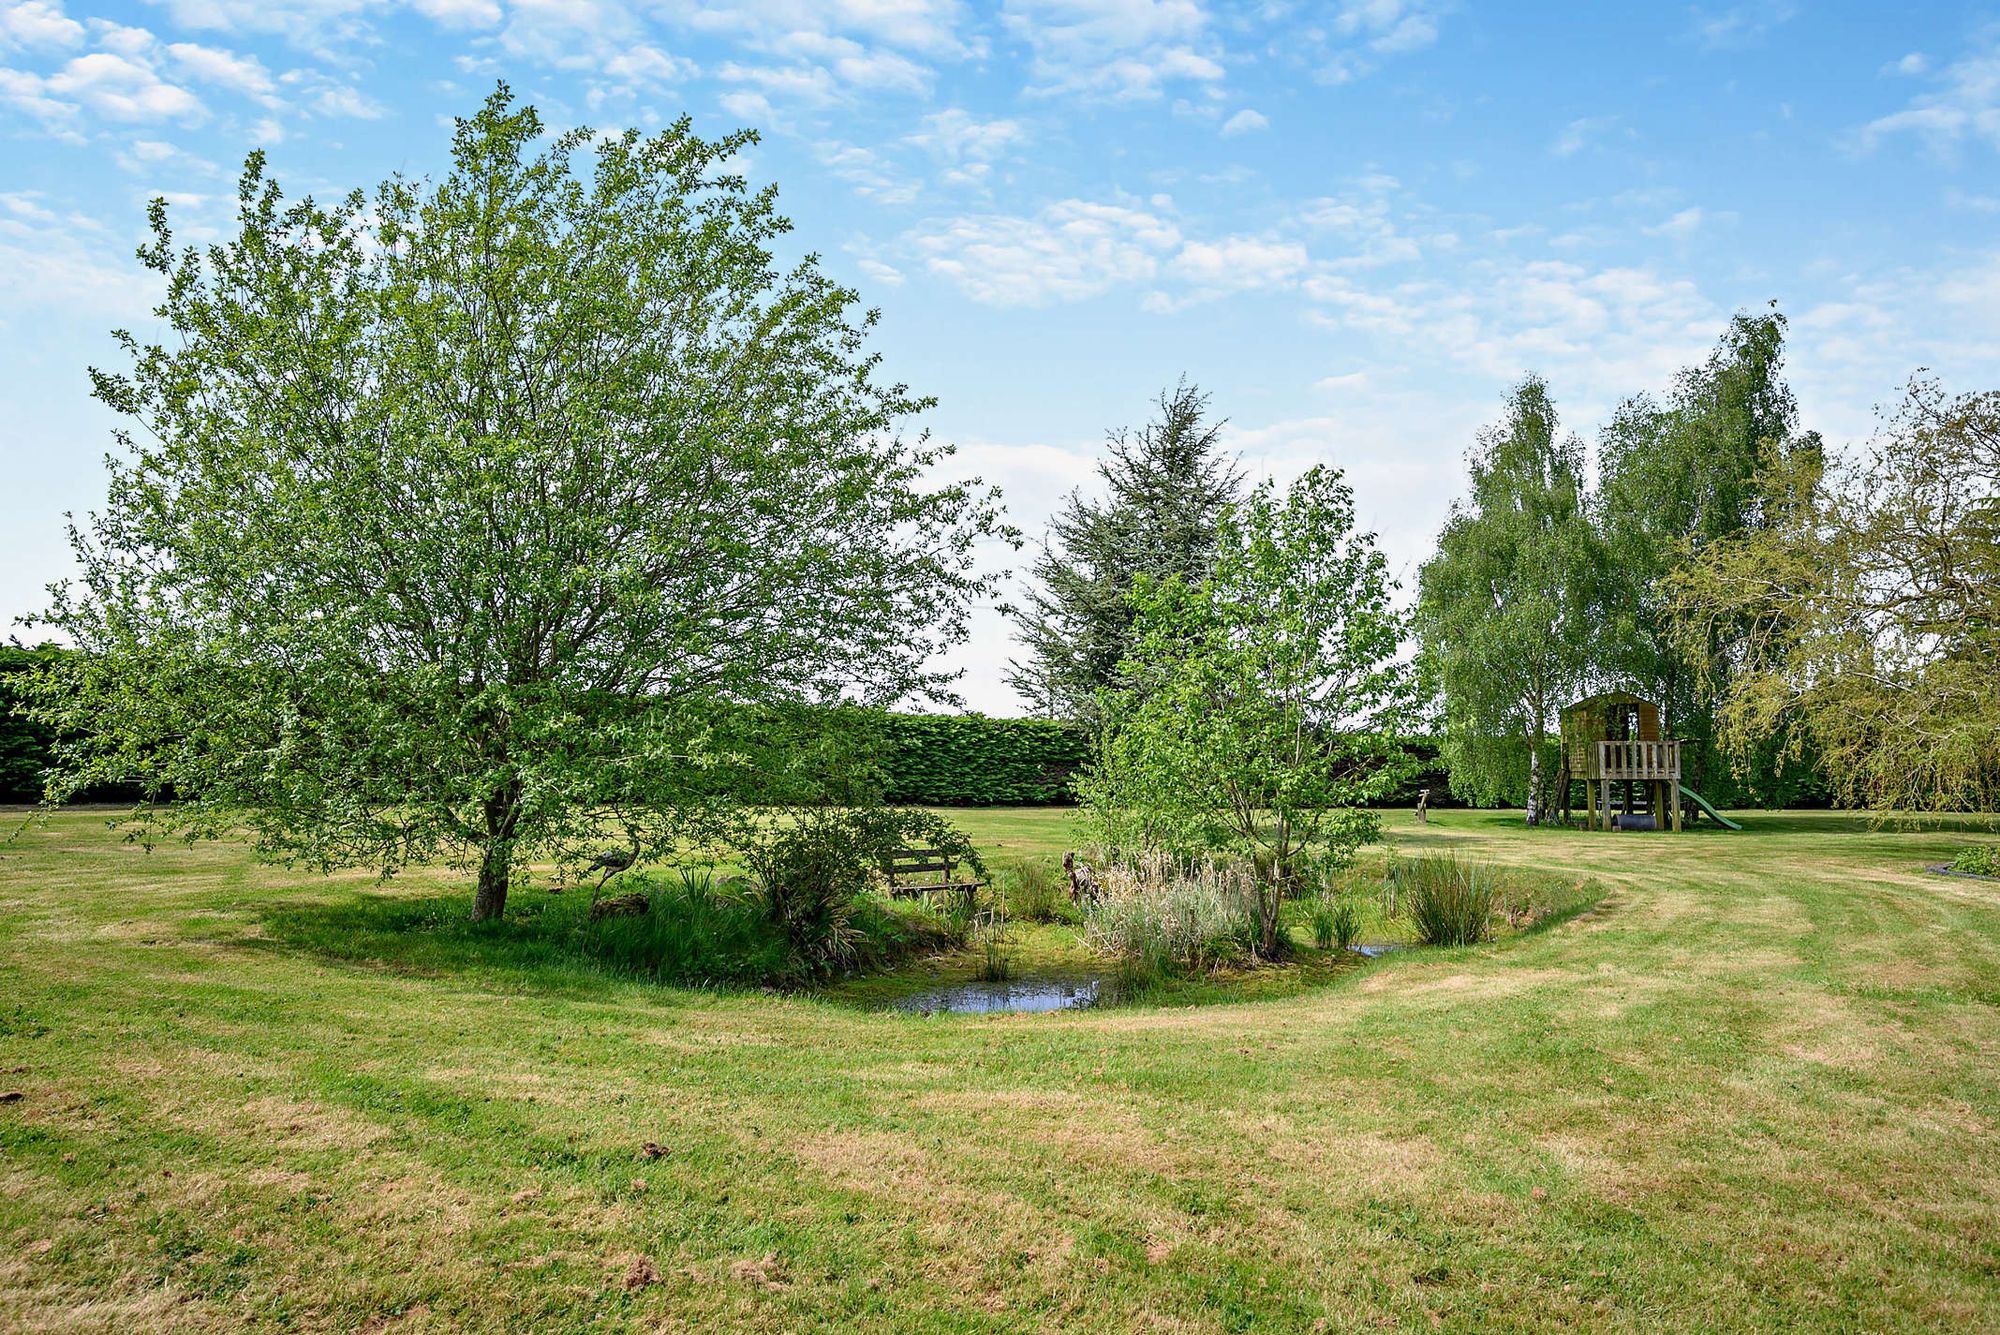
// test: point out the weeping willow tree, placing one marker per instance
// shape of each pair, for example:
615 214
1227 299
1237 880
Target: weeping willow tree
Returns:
1871 599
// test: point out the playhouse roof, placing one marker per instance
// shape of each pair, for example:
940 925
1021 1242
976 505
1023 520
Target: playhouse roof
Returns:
1599 706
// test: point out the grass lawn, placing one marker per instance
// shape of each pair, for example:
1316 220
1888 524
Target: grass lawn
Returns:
1757 1087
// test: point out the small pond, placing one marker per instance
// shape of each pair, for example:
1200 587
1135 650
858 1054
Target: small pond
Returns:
1376 952
1018 994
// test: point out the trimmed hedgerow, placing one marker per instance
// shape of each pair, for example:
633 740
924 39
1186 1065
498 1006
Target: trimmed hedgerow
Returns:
975 761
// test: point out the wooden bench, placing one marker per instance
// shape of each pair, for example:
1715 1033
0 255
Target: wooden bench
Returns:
926 871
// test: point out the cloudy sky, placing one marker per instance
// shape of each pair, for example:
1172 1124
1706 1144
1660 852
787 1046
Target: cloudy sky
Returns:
1354 222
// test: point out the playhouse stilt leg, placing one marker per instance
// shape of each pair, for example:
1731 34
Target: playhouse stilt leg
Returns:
1607 804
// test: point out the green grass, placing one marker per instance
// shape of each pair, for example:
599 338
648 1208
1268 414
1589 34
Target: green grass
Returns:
1753 1088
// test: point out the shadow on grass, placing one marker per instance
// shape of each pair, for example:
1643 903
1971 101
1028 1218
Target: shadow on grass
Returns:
539 943
684 936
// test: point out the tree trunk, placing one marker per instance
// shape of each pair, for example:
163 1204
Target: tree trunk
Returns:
503 814
491 900
1534 784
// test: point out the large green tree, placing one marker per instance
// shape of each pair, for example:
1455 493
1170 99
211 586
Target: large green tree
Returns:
1261 702
457 519
1674 479
1165 486
1507 607
1862 617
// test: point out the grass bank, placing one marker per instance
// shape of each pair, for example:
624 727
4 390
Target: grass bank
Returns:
1755 1088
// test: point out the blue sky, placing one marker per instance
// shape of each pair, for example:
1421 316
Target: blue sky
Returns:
1355 223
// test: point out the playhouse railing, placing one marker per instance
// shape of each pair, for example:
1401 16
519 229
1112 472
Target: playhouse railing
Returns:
1638 760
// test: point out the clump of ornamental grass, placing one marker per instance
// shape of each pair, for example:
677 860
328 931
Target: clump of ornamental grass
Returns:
1346 923
1320 914
1157 917
1450 902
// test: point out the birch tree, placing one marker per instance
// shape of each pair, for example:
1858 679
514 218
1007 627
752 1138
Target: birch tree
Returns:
1507 607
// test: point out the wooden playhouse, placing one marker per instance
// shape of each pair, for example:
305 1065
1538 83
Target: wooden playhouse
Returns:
1631 776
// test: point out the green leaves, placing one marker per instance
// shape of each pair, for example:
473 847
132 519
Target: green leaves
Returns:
1508 608
431 490
1860 614
1166 488
1262 701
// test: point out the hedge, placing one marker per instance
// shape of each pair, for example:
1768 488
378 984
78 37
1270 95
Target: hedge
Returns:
971 760
24 746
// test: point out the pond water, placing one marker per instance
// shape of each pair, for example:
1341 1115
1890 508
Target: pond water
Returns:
1018 994
1378 951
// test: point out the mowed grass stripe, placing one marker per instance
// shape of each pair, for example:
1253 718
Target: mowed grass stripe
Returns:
1754 1089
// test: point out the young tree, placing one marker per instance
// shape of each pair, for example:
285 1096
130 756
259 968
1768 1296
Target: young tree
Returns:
1863 615
1165 490
1674 480
463 516
1506 609
1262 700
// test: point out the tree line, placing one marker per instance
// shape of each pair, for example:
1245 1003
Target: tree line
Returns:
469 519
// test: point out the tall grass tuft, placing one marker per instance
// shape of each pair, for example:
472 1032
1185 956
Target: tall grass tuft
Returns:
689 934
1156 917
1346 920
1033 890
996 953
1450 903
1320 913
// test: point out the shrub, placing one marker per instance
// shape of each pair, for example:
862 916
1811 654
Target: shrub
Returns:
1033 890
1450 902
1156 918
1979 860
814 868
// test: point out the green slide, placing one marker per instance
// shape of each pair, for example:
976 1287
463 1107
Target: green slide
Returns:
1702 802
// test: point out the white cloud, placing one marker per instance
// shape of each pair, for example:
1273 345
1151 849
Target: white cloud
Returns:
1068 251
1361 34
888 275
347 101
1243 122
1580 134
927 27
1741 25
114 86
1601 332
956 135
1912 64
797 83
65 263
38 25
142 157
1238 263
753 109
1681 225
459 13
1964 105
1113 50
648 65
225 69
871 176
1362 226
